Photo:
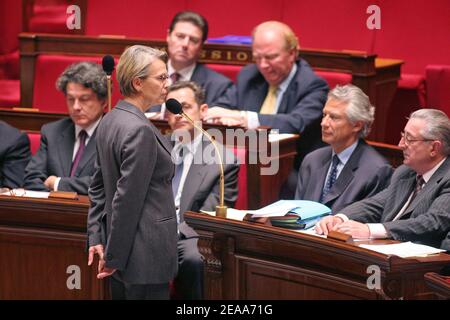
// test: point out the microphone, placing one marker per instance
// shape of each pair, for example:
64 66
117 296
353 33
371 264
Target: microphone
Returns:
108 67
174 106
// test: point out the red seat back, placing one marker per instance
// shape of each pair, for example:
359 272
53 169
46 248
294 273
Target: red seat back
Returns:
35 140
48 68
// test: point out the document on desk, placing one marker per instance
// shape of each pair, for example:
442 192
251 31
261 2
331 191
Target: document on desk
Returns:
26 193
233 214
404 249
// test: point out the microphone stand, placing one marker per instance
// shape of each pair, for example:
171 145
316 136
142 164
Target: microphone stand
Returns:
221 209
108 81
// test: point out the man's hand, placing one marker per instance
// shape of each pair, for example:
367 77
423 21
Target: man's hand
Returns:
50 182
226 117
357 230
327 224
103 271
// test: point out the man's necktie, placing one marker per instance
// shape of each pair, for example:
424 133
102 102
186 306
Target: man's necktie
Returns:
82 137
178 173
420 182
331 177
268 106
174 77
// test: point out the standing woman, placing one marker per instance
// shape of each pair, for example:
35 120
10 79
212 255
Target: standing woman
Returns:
132 222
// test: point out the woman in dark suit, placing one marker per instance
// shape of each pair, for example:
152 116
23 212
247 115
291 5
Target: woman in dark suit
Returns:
132 222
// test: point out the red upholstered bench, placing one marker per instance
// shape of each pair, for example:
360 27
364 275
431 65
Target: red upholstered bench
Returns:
229 71
335 78
35 140
438 87
48 68
9 93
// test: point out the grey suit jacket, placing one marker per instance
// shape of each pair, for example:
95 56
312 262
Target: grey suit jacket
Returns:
429 220
201 189
365 174
54 157
14 156
131 213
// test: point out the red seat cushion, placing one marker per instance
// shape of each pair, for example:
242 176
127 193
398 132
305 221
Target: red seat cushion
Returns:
35 140
48 68
9 93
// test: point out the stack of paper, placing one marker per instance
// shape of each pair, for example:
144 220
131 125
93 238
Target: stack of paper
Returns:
404 249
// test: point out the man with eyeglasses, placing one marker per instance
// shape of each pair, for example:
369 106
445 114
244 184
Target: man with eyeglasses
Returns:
415 206
66 155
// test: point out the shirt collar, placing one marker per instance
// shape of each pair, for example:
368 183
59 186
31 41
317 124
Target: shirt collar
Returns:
427 175
284 85
185 73
345 154
89 130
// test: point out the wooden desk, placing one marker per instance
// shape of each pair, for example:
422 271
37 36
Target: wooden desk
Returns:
250 261
376 77
39 240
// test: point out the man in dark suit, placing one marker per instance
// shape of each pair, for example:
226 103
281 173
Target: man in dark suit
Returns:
66 155
348 169
14 156
279 90
415 205
187 33
196 186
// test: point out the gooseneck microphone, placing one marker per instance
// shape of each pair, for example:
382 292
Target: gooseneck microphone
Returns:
108 67
175 107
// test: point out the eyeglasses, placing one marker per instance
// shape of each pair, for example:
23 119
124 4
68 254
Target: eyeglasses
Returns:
17 192
408 141
163 77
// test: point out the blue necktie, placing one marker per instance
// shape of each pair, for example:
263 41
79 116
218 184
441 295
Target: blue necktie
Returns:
331 178
178 173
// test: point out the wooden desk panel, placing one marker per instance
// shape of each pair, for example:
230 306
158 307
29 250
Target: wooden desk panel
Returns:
250 261
40 239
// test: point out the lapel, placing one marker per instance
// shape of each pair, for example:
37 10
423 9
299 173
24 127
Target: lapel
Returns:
65 144
428 188
347 173
198 75
257 93
194 179
318 181
128 107
89 153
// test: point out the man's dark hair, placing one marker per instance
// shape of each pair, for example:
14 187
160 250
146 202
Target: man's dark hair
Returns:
192 17
199 93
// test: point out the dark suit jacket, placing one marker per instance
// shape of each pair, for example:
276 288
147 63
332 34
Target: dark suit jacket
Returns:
429 220
214 84
14 156
300 110
54 157
365 174
201 189
130 190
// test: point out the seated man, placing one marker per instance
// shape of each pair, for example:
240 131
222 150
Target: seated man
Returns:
195 183
415 205
279 90
187 33
66 156
14 156
349 169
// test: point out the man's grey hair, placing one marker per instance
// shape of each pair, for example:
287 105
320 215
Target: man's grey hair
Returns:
437 126
358 106
88 74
